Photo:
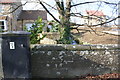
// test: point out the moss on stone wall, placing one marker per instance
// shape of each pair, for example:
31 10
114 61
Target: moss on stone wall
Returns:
69 61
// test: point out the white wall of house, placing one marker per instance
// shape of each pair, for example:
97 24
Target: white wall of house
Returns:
93 20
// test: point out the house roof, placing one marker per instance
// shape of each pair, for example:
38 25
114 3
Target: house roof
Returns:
32 15
95 13
7 1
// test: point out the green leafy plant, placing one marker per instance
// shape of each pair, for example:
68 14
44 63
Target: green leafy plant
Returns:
35 30
64 32
55 26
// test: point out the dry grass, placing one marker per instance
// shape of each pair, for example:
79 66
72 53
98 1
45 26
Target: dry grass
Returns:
97 37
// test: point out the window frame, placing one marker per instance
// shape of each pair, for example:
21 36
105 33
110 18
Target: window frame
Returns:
5 24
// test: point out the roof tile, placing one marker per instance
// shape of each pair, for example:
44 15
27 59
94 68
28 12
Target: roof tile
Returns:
95 13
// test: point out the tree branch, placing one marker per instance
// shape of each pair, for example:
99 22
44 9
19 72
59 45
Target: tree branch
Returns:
98 24
84 3
109 3
93 2
49 5
14 9
49 12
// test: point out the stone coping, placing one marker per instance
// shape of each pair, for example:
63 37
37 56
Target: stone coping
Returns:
68 47
15 33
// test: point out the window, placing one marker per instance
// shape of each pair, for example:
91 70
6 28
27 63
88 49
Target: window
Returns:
3 25
28 25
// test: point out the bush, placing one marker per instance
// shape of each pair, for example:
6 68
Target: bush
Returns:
35 29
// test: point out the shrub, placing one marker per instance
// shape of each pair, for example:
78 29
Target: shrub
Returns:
35 30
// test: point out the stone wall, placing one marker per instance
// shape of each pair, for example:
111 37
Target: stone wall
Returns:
70 61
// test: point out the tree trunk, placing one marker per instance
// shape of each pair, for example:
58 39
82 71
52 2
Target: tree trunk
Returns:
64 15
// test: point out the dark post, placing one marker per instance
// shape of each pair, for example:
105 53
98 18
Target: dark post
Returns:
14 55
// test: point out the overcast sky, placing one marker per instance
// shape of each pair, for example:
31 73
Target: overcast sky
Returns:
107 9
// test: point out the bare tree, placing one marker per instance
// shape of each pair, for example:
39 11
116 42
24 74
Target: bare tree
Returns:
66 12
64 8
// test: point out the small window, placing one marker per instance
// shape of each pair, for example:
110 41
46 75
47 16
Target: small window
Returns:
3 25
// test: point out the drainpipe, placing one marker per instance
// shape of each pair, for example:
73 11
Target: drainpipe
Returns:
11 25
22 25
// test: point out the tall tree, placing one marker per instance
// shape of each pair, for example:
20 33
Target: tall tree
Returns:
64 9
64 16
